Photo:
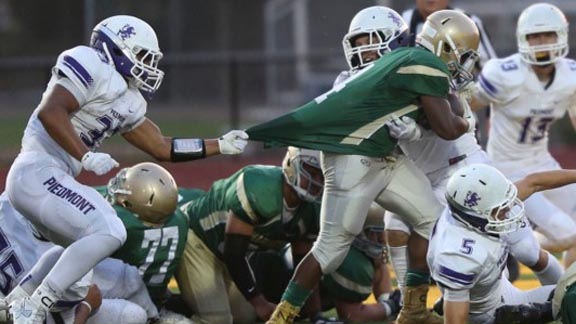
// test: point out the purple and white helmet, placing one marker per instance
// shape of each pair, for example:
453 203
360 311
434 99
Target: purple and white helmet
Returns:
483 198
132 46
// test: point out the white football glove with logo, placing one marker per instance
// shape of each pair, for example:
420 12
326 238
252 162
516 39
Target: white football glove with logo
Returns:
404 128
99 163
233 142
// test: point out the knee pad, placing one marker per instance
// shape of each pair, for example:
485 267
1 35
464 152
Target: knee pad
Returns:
330 249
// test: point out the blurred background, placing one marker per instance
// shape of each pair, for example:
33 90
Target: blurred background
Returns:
229 64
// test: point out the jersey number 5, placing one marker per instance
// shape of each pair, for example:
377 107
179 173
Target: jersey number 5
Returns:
10 266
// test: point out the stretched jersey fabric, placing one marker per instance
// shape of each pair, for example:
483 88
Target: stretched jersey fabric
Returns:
352 281
460 258
155 251
107 105
350 118
254 194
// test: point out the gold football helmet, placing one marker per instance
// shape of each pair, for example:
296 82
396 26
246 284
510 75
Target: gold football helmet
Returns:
453 37
146 189
302 171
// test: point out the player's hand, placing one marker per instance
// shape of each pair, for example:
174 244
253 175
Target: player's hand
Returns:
99 163
404 128
233 142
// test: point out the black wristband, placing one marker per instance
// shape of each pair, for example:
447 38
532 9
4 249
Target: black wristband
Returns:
187 149
235 247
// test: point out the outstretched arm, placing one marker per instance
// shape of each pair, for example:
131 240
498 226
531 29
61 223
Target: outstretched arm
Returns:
541 181
149 138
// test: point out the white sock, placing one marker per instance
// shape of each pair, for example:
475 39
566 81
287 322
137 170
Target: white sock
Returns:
399 259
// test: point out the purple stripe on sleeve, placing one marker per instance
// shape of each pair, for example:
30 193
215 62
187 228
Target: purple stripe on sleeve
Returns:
486 85
455 276
79 70
76 74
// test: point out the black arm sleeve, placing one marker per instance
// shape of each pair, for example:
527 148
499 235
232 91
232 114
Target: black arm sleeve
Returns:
235 247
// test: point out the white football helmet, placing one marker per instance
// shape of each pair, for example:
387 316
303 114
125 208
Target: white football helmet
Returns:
386 29
480 196
303 164
454 37
542 18
132 46
146 189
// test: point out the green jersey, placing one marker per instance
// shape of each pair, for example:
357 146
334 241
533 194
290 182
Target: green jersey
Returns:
253 194
352 281
350 118
155 251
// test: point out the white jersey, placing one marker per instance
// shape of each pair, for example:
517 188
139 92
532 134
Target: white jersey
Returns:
431 153
461 258
107 104
523 107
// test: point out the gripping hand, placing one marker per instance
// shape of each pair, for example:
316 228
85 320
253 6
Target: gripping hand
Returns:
404 128
99 163
233 142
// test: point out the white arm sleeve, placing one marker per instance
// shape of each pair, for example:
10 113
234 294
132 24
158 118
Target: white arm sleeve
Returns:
456 295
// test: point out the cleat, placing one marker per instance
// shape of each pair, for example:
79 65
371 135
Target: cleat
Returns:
285 313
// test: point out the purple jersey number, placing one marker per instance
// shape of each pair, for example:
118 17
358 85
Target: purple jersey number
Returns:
10 266
467 246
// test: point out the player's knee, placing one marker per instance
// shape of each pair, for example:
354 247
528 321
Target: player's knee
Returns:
331 249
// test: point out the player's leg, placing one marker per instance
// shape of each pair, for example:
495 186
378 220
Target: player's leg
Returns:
351 183
410 194
201 279
397 234
64 211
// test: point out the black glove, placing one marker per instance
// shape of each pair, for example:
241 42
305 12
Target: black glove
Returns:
532 313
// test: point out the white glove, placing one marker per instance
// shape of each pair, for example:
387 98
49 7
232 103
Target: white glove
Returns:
233 142
99 163
404 128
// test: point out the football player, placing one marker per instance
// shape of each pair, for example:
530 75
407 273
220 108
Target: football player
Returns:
260 207
94 93
135 283
529 91
439 159
360 162
467 253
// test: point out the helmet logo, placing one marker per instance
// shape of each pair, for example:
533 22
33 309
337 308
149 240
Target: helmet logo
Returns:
126 32
395 19
471 199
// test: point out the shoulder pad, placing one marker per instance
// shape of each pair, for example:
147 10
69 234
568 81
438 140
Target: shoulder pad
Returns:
500 77
82 65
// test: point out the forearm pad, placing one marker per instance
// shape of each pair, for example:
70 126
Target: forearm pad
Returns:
235 247
187 149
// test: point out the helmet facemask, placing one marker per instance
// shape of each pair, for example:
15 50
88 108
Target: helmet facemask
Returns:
380 42
460 62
